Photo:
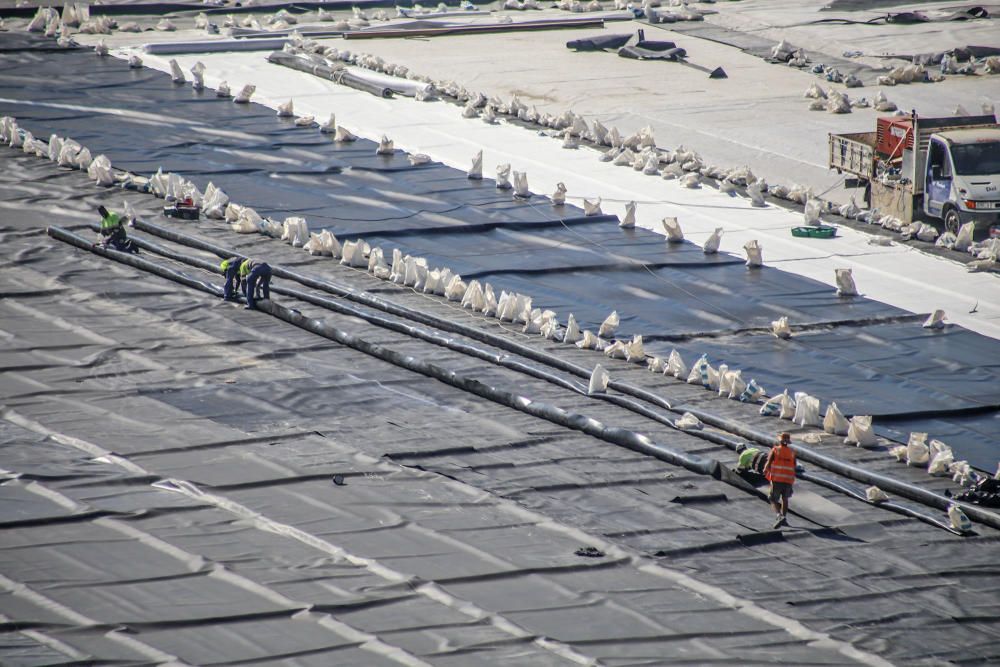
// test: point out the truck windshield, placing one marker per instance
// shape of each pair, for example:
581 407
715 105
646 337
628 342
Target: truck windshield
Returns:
979 159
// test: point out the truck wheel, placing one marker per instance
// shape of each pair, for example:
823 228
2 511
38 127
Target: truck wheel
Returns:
952 220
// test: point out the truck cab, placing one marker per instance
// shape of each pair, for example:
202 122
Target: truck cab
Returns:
962 177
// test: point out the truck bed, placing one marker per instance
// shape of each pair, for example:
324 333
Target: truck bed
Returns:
853 153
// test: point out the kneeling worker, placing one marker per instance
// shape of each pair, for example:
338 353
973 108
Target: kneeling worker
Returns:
231 270
780 471
751 460
257 281
113 232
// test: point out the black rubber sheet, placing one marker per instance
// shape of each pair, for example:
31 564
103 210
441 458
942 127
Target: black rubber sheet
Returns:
869 357
458 547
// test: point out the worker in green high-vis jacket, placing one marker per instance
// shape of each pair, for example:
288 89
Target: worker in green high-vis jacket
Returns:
113 232
230 268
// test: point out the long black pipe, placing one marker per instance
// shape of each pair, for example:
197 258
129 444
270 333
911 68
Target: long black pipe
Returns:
578 422
858 474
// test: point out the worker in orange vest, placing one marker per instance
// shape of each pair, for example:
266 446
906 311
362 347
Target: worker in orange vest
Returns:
780 471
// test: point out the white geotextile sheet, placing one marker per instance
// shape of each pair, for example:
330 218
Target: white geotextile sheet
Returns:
898 275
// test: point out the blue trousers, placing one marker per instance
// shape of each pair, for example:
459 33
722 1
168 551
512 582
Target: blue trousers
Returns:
232 280
258 284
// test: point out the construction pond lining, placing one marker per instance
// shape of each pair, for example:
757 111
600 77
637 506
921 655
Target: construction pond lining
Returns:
866 356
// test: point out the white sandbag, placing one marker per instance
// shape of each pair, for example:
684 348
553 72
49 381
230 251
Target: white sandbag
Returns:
286 109
624 159
711 246
550 328
814 91
812 211
417 159
248 222
688 422
755 253
521 189
849 210
676 366
652 166
522 308
834 421
672 228
592 208
67 154
411 276
243 97
964 238
353 254
876 495
752 393
385 146
569 141
559 196
55 145
656 365
473 297
935 320
503 177
398 267
628 222
806 410
634 352
176 73
780 328
695 374
588 342
455 288
724 380
616 350
599 379
735 385
314 246
958 520
772 406
475 172
692 181
506 307
214 205
609 325
941 460
788 407
860 432
845 283
330 126
880 103
100 171
917 451
573 333
198 74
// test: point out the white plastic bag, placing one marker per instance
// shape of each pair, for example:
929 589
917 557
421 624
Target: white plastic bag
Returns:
286 109
788 407
672 228
455 288
634 352
588 342
176 73
503 177
214 205
834 421
676 366
573 333
772 406
860 432
694 377
751 393
385 146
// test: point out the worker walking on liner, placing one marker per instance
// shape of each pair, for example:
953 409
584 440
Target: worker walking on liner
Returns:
779 469
113 232
256 276
230 268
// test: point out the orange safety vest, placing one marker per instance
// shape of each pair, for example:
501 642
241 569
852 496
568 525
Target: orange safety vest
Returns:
782 468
